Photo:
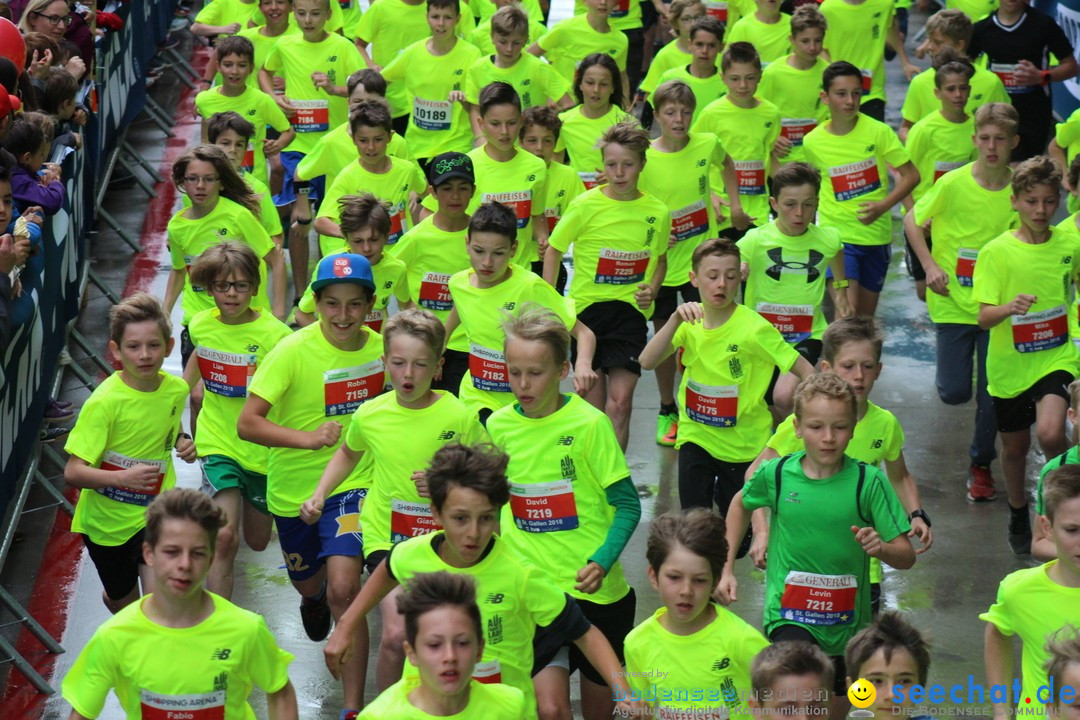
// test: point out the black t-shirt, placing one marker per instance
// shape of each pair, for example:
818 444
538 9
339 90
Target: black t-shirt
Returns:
1033 37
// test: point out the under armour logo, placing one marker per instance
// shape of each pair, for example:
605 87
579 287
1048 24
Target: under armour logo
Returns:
813 259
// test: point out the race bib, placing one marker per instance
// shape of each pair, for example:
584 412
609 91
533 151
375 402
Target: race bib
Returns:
435 292
397 223
487 368
311 115
814 599
410 519
115 461
855 179
941 167
345 4
248 163
520 201
226 374
375 318
544 507
432 114
617 267
795 129
1006 72
204 706
589 178
487 672
965 266
717 10
551 217
346 389
867 80
750 175
713 405
690 221
1039 331
795 322
620 9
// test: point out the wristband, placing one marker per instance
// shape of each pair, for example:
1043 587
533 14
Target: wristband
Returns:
841 284
183 435
920 513
1045 77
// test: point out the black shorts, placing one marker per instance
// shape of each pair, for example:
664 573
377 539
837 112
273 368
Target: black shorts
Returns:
560 280
667 300
186 347
734 235
914 265
704 480
809 349
874 108
117 565
374 560
455 365
400 124
1018 413
621 334
615 621
791 633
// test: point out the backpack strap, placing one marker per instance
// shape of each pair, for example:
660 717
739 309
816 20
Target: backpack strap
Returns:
858 494
779 472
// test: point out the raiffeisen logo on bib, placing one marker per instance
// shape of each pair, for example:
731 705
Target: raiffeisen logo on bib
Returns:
969 697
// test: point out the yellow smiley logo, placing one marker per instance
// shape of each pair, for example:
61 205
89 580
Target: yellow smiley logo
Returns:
861 693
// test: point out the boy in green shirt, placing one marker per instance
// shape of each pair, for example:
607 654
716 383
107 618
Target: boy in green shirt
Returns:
1021 283
571 40
767 29
706 37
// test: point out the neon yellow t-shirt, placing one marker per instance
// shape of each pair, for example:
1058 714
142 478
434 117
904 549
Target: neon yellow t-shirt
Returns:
571 40
706 90
769 39
729 11
318 112
393 511
920 101
188 238
519 184
336 150
854 170
857 34
481 36
937 146
563 185
227 356
1025 348
390 26
706 671
484 9
394 186
670 177
487 383
974 9
514 598
119 427
1033 606
264 44
560 467
726 371
617 245
257 108
878 437
1068 227
786 283
666 58
486 702
797 95
748 135
432 255
1067 136
966 217
307 381
579 136
226 12
437 125
223 658
388 273
534 80
268 215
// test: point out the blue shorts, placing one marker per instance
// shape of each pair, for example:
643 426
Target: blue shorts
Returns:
315 189
337 533
867 265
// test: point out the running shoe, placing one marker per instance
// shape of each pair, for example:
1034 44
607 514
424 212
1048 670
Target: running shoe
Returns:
667 427
980 484
52 434
1020 530
315 615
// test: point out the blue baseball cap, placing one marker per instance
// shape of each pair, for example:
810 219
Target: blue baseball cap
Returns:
343 267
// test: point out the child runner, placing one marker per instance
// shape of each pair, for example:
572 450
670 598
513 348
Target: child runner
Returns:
701 74
817 584
484 35
792 680
681 14
572 505
1063 664
119 450
1021 283
673 159
224 651
969 207
893 656
686 553
855 151
495 285
444 641
468 488
1042 545
1035 602
231 340
569 43
620 237
767 29
311 379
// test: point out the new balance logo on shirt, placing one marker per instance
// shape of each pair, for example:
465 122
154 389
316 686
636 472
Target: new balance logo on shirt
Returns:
447 435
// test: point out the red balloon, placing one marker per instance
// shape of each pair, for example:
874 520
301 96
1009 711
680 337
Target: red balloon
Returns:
12 45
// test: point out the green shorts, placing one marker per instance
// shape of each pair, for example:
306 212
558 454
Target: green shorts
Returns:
222 473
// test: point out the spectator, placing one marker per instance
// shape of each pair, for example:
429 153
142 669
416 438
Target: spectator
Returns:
54 18
58 100
26 141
